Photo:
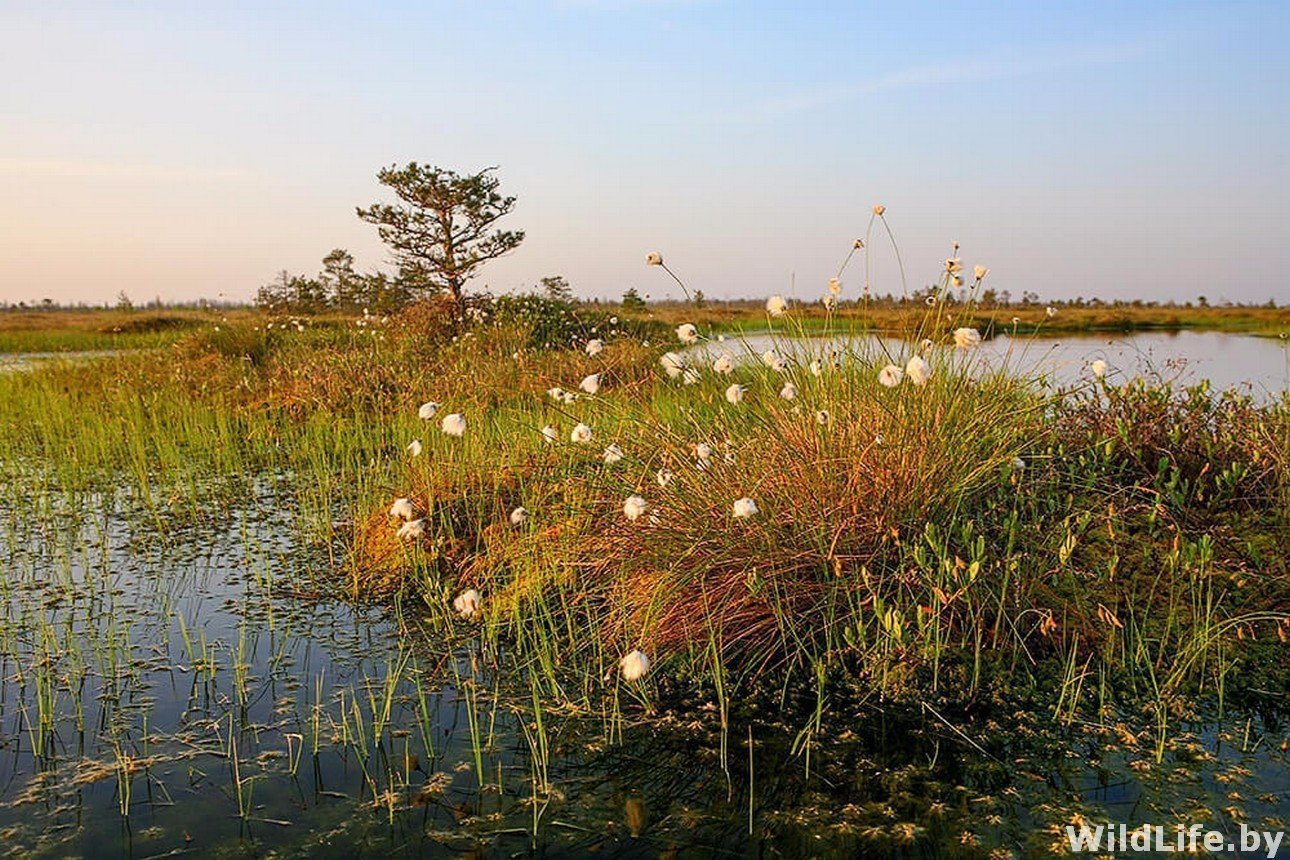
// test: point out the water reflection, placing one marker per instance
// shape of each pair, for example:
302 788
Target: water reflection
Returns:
19 361
1259 366
167 695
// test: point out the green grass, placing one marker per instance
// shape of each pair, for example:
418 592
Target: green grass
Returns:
898 548
80 341
80 331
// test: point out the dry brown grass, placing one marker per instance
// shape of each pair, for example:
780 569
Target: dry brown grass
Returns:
835 500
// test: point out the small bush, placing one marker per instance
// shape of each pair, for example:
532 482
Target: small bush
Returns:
241 342
149 323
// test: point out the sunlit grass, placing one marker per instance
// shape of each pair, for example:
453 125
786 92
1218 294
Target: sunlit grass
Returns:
1109 553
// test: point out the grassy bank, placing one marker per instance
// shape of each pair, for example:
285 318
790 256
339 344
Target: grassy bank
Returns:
76 331
91 330
26 331
1010 319
1116 550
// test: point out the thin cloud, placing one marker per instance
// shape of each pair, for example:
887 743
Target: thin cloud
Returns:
944 74
88 169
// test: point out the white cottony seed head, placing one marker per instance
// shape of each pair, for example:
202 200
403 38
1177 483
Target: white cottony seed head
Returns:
634 666
890 376
403 509
634 507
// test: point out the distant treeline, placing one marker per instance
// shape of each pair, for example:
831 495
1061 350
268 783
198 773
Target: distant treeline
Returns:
338 288
51 306
988 299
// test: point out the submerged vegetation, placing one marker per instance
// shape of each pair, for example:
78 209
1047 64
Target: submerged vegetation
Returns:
625 525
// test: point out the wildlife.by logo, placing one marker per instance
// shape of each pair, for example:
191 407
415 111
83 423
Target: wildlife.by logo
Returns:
1179 839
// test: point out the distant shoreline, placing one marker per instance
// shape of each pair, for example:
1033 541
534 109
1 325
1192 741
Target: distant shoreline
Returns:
73 329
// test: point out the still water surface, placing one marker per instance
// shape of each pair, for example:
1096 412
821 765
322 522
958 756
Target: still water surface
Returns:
169 697
1258 366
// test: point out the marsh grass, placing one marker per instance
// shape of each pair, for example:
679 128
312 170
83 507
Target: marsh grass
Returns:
903 546
901 563
895 541
26 332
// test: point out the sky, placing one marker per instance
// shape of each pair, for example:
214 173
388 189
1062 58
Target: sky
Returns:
1121 150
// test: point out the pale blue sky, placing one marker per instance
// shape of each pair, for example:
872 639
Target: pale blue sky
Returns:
187 150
